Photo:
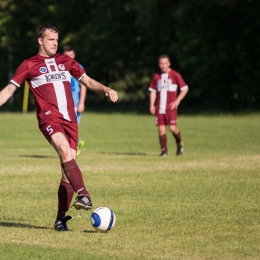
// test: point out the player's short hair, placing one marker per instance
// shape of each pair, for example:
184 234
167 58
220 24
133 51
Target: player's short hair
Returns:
68 48
164 56
41 30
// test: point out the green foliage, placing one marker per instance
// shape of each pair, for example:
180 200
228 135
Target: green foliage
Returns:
202 205
214 44
216 51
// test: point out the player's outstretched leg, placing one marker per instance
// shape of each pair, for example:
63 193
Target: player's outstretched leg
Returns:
75 178
71 170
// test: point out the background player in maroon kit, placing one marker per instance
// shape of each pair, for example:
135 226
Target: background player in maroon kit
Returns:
164 102
49 77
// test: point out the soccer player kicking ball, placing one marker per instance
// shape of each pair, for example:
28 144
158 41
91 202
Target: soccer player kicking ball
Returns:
164 101
49 78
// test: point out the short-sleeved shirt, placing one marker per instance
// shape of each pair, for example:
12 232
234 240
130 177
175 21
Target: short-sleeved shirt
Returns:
76 88
166 86
50 81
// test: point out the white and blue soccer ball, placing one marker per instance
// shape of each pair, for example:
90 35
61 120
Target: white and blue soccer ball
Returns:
103 219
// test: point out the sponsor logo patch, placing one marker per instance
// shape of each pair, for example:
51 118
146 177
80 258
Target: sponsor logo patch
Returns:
61 67
43 69
55 77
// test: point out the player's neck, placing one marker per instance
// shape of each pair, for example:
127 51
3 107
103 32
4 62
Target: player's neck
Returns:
167 71
42 53
45 55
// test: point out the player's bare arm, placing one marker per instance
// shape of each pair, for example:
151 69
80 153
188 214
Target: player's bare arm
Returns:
98 87
6 93
175 104
83 93
152 101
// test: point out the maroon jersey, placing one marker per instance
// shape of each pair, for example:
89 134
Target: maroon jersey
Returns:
49 80
166 86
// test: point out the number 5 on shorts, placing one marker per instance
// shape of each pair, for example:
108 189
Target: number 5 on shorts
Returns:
49 129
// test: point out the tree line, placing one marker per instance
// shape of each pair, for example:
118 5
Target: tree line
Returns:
214 44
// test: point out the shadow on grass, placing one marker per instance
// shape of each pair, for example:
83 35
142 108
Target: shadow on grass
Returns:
135 154
37 156
20 225
90 231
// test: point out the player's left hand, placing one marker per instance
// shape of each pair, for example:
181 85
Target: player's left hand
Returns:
112 94
174 105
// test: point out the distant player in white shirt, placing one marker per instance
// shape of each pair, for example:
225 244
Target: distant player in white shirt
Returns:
164 102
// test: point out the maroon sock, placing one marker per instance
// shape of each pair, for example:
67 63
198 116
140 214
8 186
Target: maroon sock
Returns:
163 142
65 194
177 137
74 175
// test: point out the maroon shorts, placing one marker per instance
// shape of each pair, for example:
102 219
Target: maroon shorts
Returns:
170 118
69 129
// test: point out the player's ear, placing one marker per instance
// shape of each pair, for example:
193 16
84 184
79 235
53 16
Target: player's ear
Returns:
40 41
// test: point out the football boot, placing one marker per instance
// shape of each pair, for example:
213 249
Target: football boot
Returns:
180 149
80 145
82 202
61 224
163 154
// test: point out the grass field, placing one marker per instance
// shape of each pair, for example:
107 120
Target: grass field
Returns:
203 205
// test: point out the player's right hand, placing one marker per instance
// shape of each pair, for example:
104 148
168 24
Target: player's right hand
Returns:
152 110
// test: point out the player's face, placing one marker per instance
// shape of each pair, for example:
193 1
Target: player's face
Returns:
70 54
49 43
164 65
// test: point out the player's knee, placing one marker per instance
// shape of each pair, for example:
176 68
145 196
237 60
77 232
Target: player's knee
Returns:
174 129
162 131
64 152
